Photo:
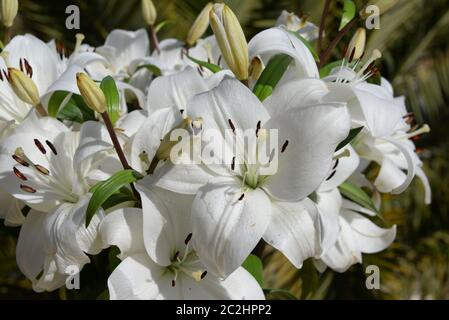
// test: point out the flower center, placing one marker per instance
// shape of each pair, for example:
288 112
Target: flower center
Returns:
186 265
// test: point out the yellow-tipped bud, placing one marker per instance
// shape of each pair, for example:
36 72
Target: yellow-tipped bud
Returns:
23 87
9 11
91 93
200 25
230 39
256 68
357 45
149 12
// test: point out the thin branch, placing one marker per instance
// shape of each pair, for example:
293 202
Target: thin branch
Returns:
327 53
323 24
154 39
118 149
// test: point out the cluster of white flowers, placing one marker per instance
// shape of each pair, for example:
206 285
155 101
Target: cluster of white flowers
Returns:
184 229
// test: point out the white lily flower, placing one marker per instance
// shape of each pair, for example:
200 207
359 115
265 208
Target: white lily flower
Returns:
273 41
45 165
292 22
168 268
386 139
44 67
357 235
275 206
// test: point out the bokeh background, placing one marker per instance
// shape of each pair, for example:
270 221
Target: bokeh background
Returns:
414 40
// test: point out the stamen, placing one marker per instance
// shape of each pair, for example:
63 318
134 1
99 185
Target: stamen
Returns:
19 160
175 257
187 240
173 282
233 164
424 129
40 146
27 189
332 175
336 164
79 41
19 174
42 170
374 56
232 126
258 128
203 275
241 197
52 147
28 68
284 147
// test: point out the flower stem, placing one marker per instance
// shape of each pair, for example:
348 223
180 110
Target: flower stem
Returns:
118 149
153 165
154 39
327 53
323 24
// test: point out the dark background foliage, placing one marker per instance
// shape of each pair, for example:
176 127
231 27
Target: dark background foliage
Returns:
413 39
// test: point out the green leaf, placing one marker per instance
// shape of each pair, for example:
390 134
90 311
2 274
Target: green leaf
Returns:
67 106
356 194
271 75
162 24
212 67
152 68
110 91
349 12
104 190
254 266
308 45
56 101
352 134
279 294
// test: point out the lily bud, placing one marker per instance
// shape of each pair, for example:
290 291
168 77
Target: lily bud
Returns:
9 12
230 39
91 93
149 12
256 68
357 45
23 87
200 25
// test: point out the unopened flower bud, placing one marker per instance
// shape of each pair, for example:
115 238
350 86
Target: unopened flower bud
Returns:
230 39
149 12
23 87
357 45
91 93
200 25
9 11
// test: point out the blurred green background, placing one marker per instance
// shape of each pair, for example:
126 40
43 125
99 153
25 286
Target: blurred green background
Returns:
414 41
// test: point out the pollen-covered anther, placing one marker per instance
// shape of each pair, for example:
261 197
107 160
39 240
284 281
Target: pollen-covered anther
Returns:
52 147
19 160
331 175
231 124
187 240
176 256
40 146
19 174
284 146
258 128
27 189
42 169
